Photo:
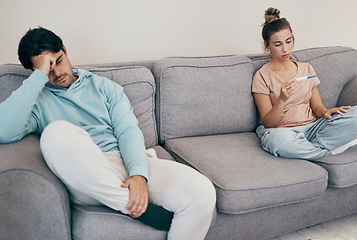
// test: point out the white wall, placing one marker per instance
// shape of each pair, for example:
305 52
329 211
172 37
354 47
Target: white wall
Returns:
117 30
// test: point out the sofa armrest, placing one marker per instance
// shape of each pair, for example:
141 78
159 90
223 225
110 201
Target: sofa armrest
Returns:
33 202
348 96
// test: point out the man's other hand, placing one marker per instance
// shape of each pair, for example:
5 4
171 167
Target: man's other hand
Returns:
138 195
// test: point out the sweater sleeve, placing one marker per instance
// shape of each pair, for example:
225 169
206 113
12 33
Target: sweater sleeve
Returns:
16 117
130 138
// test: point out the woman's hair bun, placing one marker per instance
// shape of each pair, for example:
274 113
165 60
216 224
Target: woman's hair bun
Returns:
271 14
273 23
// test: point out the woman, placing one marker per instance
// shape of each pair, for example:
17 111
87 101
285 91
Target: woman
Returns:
295 123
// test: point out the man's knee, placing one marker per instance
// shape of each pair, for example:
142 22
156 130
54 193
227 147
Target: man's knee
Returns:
59 137
59 132
55 128
203 195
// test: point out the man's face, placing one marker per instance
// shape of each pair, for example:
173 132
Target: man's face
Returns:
61 74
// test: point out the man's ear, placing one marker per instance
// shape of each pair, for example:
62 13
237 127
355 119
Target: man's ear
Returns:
65 50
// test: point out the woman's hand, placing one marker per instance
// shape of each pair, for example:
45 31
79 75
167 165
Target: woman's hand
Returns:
287 90
340 110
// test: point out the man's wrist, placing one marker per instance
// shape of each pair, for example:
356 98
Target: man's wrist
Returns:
139 177
39 77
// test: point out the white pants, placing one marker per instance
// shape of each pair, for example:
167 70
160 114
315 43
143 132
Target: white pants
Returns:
94 178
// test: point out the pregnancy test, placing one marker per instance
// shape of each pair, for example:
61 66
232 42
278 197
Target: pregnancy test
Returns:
304 78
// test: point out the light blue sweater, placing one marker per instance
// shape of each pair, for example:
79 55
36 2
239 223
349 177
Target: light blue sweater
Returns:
94 103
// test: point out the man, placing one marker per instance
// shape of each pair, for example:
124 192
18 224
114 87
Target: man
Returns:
90 139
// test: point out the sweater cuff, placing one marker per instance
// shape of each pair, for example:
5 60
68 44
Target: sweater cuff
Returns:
139 170
39 76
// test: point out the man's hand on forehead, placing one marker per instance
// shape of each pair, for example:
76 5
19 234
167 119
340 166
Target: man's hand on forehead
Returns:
44 62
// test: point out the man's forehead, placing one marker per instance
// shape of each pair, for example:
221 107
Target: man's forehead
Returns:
51 53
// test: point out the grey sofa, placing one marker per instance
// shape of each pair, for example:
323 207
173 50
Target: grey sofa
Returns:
198 111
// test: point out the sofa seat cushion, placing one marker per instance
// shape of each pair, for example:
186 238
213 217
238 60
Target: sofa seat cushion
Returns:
247 178
342 168
92 223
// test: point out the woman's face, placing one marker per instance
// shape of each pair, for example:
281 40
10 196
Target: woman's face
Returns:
281 45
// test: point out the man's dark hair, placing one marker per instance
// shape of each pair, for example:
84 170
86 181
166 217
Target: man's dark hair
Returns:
34 42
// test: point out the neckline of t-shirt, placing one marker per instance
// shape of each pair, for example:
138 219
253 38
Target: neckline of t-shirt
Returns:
282 80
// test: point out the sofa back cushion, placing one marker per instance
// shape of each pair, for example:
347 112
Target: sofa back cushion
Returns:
11 77
203 95
137 81
348 96
335 66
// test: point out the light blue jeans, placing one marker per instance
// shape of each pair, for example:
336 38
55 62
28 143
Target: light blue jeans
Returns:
311 141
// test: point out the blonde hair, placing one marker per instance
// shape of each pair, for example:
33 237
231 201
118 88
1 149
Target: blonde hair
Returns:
273 23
